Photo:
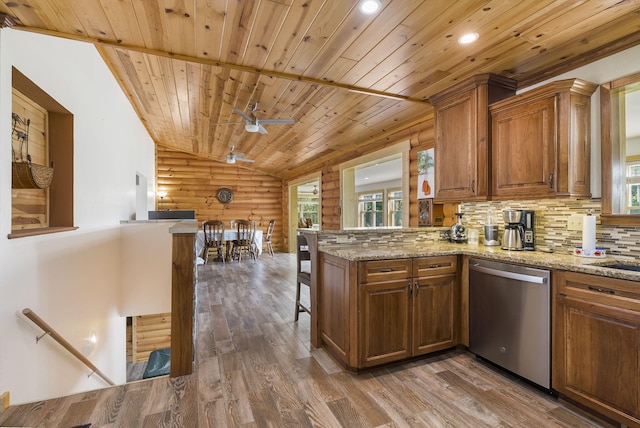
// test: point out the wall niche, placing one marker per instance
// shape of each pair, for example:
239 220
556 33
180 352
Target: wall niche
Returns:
49 127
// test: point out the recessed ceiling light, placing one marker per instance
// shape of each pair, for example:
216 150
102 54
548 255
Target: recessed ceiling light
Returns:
369 7
465 39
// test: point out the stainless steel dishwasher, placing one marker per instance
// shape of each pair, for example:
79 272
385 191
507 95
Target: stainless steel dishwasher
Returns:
509 318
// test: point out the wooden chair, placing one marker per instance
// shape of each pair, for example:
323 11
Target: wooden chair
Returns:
213 238
267 237
304 273
243 245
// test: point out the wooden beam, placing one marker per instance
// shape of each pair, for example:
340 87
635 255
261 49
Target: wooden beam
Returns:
222 64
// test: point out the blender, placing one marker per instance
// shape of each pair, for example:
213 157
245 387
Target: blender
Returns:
491 229
458 233
512 239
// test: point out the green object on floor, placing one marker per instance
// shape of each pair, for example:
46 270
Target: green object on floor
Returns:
159 363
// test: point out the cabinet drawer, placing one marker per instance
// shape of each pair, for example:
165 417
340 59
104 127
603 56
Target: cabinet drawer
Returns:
610 291
383 270
432 266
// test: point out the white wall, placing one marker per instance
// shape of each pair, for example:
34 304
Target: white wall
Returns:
146 268
71 279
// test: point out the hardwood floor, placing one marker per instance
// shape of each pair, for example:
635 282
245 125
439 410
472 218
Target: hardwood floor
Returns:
255 368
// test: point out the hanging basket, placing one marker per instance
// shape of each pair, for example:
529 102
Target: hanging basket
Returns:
27 175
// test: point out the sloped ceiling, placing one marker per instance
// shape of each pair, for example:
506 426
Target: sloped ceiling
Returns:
346 78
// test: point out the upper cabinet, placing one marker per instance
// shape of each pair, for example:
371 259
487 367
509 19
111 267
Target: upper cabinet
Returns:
541 145
462 126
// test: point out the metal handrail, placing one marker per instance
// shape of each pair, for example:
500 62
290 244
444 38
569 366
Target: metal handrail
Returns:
62 341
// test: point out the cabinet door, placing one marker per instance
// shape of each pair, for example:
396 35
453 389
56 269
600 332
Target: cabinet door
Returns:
434 314
598 357
456 156
524 150
383 327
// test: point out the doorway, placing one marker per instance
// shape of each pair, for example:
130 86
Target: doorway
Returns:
305 207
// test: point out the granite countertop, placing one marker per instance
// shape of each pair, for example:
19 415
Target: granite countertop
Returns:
532 258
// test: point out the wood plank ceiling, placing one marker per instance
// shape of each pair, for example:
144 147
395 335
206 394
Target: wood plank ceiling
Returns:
185 64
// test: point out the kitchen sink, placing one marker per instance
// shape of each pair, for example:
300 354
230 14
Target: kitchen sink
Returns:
635 268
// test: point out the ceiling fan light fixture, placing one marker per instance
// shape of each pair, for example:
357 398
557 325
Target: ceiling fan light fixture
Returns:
251 127
231 159
369 7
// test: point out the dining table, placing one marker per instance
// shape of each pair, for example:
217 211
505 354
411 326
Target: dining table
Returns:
230 235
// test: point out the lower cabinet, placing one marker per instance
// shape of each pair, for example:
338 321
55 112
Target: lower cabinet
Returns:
380 311
596 352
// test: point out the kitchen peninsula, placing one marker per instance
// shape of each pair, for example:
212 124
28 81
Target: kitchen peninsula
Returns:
388 295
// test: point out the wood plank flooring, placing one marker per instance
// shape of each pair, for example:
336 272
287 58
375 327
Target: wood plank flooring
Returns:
255 368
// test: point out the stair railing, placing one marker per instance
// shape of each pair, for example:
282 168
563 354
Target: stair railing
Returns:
49 331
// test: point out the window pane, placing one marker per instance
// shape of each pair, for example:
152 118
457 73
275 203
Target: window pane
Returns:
633 171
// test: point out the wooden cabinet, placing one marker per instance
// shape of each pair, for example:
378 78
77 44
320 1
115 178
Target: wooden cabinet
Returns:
462 128
406 308
541 142
596 338
380 311
435 305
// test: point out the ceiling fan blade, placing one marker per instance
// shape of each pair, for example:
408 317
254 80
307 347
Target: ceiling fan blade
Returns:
243 114
262 129
238 158
229 123
277 121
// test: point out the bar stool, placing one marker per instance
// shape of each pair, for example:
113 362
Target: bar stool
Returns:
303 274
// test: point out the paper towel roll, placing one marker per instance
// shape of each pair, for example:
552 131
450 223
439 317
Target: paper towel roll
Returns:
588 233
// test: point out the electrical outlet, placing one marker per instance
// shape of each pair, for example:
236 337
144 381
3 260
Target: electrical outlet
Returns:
574 222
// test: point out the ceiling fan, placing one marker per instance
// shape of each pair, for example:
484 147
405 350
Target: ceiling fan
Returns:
233 157
252 123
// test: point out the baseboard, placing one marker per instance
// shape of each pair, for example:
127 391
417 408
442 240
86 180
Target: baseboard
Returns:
4 401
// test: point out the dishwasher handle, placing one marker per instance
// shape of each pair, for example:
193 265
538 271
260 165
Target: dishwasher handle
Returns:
510 275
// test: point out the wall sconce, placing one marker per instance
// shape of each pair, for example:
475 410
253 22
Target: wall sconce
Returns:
161 194
89 344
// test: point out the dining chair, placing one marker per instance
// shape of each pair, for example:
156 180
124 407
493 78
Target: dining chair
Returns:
243 244
267 237
303 273
213 238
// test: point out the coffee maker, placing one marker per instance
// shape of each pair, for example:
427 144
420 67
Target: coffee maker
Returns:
513 236
527 230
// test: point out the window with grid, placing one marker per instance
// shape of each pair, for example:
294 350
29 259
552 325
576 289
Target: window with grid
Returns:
394 210
308 208
371 209
633 187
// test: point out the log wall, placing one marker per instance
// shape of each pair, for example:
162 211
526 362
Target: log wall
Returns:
30 207
421 137
192 183
148 333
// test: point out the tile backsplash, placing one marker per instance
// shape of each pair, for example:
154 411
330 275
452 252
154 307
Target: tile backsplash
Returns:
551 217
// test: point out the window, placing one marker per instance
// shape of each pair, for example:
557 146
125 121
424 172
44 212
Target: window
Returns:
394 198
370 209
633 187
380 208
308 208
